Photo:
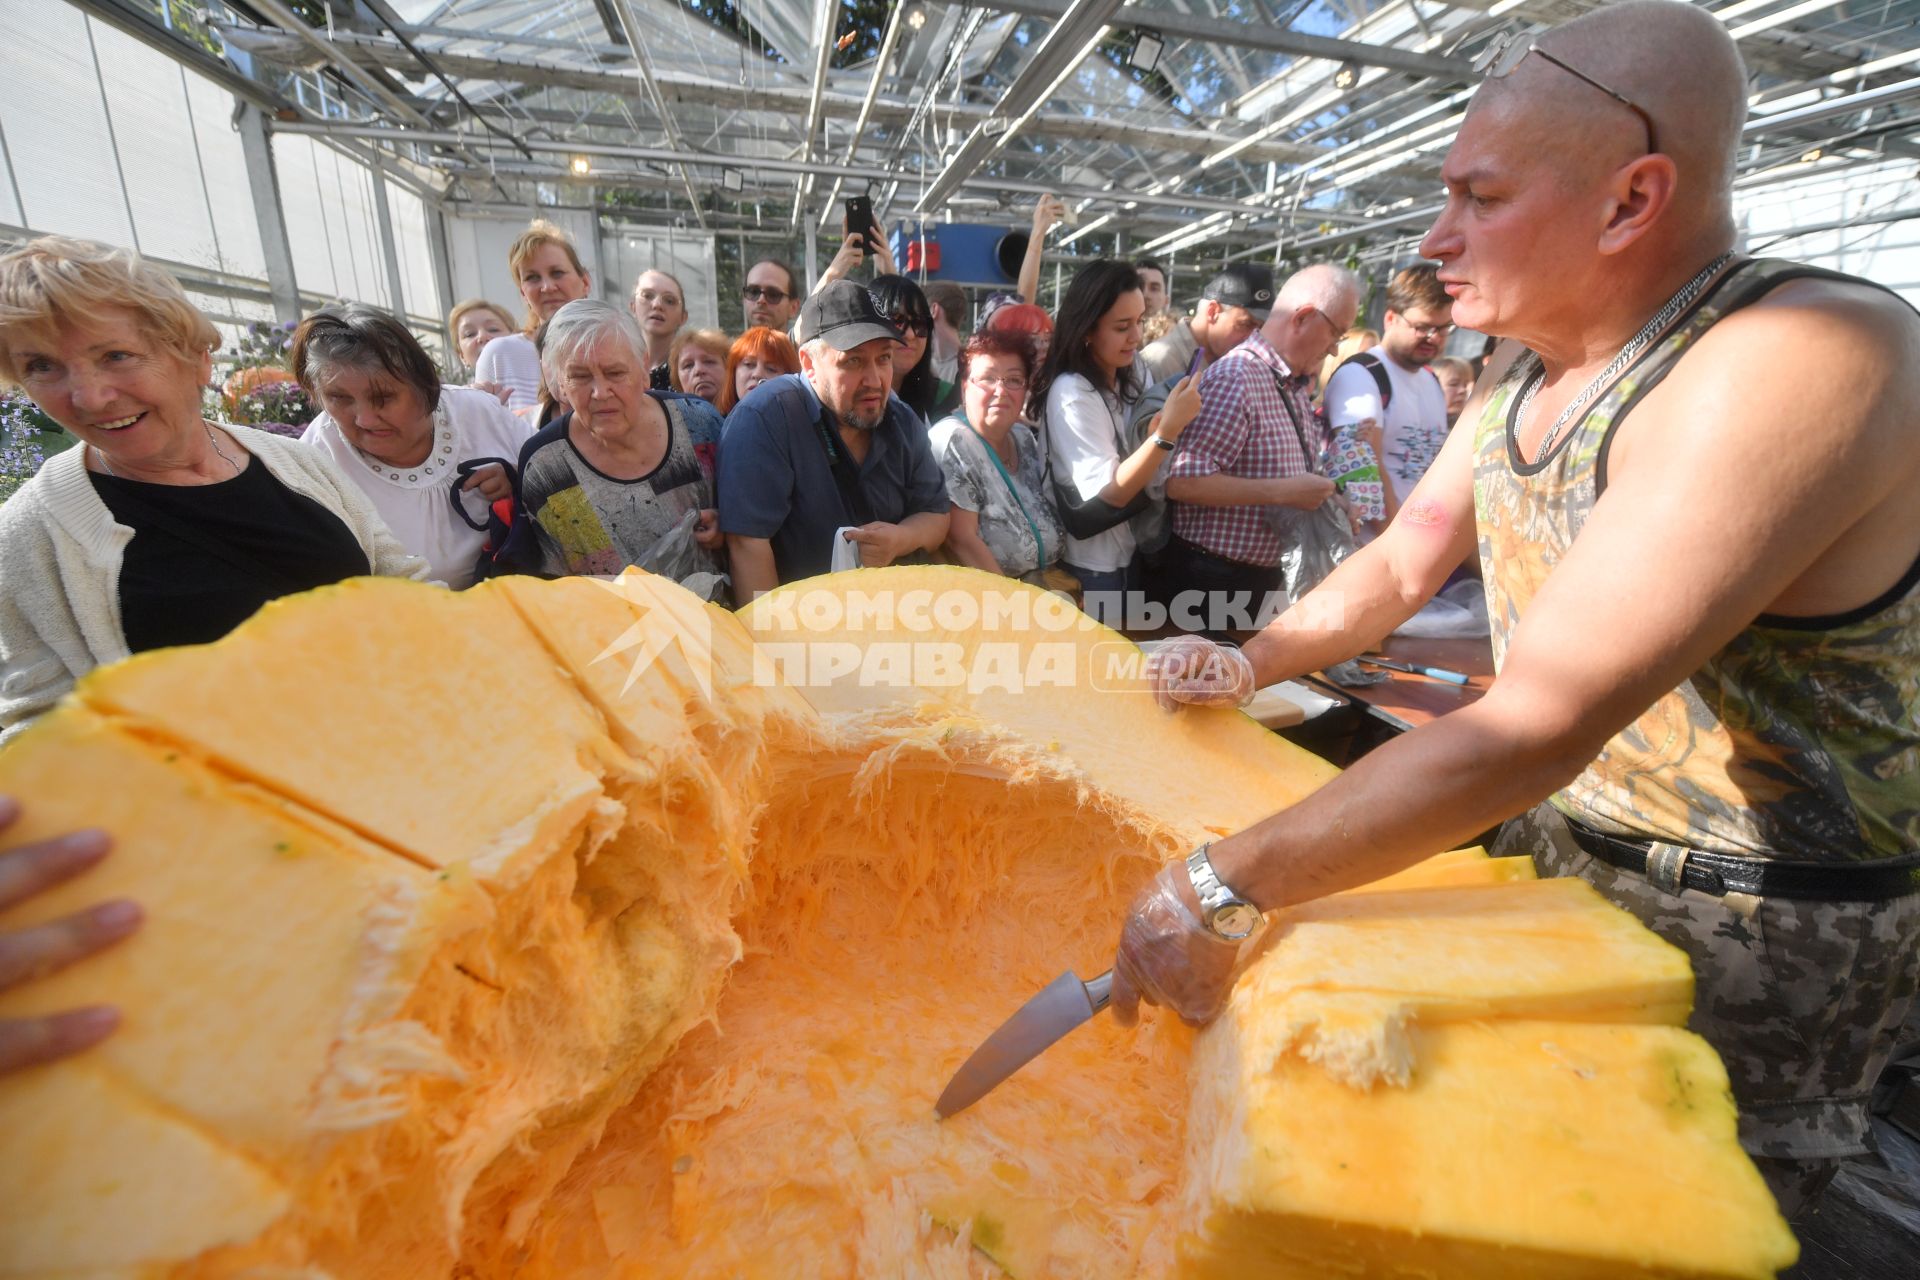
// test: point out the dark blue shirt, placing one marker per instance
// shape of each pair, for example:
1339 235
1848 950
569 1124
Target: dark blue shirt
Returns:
777 481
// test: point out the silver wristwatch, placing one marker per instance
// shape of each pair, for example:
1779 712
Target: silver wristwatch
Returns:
1225 913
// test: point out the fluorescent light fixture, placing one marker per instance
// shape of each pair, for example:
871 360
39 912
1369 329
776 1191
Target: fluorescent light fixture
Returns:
1772 20
1095 225
730 179
1146 52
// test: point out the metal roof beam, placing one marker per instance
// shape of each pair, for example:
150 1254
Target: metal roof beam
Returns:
643 66
1078 26
1258 35
685 88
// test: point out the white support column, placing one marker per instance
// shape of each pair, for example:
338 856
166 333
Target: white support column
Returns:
442 264
396 296
257 149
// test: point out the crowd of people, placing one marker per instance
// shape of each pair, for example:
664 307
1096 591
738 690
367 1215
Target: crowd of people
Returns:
1738 763
876 421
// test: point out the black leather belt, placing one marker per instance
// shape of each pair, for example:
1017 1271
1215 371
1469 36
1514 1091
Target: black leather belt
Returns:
1674 867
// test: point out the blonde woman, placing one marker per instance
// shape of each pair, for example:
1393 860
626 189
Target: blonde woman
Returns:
550 274
163 528
473 324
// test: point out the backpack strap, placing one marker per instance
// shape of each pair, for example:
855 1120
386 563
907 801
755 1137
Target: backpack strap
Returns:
1374 365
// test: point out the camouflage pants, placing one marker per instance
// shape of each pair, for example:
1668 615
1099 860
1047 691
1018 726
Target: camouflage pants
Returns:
1803 1000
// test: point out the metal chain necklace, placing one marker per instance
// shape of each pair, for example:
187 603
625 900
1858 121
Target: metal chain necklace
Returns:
212 439
1635 345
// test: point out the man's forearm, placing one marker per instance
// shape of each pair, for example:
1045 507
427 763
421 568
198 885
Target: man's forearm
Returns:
1223 491
751 563
1424 792
925 530
1356 607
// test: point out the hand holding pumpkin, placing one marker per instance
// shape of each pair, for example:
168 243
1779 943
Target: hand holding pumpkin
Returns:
1168 958
1193 669
34 952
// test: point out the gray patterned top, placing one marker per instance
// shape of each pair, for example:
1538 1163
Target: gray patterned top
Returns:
975 483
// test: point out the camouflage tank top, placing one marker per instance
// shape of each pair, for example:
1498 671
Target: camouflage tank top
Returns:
1800 739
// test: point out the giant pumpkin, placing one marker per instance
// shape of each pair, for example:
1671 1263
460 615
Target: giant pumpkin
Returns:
567 929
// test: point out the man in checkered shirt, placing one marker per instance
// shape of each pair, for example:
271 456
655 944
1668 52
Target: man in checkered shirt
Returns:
1246 452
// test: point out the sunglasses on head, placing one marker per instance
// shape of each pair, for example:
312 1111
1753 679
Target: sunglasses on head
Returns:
1506 51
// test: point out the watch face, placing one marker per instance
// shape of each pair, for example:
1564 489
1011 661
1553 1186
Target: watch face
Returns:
1236 921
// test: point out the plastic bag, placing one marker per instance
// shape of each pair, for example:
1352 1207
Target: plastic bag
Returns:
679 557
1313 544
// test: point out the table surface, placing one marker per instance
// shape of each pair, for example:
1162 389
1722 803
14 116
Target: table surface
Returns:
1408 701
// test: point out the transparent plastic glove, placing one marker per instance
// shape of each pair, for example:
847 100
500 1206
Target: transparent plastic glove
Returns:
1168 958
1194 669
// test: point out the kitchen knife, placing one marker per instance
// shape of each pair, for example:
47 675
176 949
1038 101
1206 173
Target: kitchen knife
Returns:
1062 1005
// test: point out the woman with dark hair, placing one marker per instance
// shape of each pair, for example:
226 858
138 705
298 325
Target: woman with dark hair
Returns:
402 437
1003 517
1086 392
900 300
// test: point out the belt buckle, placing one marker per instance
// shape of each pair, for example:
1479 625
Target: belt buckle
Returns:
1667 866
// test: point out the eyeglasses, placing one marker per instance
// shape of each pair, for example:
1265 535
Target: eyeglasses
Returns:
1016 385
1506 51
764 293
1428 330
1327 320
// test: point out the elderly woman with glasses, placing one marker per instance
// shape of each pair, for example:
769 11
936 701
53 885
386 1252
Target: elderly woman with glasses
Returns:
405 439
1003 521
163 527
626 475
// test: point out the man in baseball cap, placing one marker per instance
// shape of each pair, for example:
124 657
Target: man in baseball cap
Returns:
829 455
1231 307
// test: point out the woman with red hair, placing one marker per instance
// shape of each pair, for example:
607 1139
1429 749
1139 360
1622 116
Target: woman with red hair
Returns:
1025 320
757 355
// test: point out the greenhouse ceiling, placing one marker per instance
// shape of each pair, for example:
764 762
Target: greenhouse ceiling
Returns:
1217 125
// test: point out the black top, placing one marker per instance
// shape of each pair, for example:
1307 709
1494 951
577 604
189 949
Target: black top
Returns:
660 378
204 558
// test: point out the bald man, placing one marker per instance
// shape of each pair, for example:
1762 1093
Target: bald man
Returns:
1689 477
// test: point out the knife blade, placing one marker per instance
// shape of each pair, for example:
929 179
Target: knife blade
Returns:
1062 1005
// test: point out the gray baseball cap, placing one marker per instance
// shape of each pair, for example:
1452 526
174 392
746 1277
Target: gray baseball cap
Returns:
843 315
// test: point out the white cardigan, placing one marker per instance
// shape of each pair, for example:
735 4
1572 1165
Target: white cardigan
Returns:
60 558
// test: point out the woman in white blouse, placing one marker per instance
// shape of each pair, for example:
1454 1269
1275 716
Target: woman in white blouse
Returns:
1086 390
402 437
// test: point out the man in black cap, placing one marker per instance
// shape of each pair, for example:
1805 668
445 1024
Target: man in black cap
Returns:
825 449
1232 306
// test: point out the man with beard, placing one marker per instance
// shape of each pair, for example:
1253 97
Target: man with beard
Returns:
1391 385
825 449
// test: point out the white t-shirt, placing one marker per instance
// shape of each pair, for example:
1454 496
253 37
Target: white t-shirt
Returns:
513 362
1413 427
1085 430
413 500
